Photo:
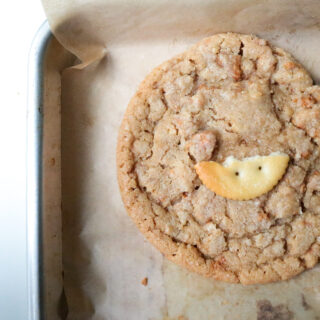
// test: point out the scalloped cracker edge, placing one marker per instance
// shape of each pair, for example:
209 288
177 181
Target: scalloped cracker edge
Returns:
243 179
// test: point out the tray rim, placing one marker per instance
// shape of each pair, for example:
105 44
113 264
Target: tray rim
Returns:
35 303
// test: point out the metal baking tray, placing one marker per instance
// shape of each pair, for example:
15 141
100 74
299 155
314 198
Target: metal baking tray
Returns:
227 297
47 59
34 172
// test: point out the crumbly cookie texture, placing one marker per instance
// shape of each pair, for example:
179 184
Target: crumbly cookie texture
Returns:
229 95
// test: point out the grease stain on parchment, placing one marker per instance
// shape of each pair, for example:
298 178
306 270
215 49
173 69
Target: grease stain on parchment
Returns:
266 311
195 297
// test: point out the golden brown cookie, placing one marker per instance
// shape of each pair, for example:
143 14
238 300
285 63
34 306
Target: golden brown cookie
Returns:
229 95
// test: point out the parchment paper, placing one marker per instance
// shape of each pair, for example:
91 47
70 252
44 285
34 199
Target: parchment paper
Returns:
104 256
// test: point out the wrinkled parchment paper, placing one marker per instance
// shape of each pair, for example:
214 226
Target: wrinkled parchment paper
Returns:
104 257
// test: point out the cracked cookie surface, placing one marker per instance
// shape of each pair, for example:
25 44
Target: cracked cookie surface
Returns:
228 95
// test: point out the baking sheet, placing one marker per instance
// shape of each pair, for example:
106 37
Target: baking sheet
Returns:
105 258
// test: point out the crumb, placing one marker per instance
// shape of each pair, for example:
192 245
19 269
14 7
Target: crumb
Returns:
144 281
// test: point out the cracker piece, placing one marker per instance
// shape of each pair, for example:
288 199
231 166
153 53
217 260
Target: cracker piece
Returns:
243 179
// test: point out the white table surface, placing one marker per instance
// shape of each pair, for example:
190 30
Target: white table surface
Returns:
19 21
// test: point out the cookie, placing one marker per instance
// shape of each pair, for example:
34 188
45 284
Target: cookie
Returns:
237 96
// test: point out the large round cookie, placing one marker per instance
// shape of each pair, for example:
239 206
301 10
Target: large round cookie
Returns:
246 98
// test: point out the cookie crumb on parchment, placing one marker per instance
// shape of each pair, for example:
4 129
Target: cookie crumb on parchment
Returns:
144 281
